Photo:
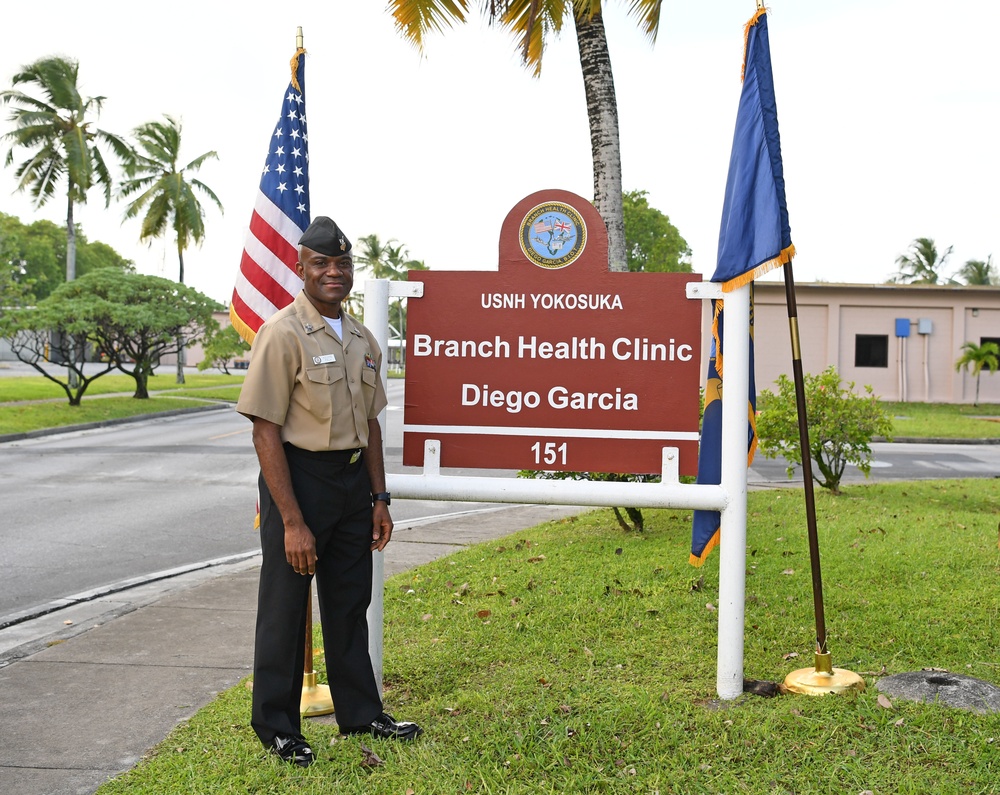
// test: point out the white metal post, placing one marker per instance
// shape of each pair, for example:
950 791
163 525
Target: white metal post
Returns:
733 528
377 321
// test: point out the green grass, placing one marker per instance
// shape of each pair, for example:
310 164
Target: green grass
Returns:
54 411
37 387
34 416
945 421
573 658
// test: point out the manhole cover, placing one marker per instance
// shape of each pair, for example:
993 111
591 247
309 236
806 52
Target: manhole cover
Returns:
943 687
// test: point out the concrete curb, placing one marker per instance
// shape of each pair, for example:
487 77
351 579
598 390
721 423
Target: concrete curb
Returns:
922 440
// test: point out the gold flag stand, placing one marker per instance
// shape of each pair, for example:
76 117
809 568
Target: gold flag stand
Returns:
316 699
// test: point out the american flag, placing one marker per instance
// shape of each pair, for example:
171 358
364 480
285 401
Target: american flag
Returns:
267 280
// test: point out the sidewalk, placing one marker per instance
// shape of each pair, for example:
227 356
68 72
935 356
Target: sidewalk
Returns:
85 692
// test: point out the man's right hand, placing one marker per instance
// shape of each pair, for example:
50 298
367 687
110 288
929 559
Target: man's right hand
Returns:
300 549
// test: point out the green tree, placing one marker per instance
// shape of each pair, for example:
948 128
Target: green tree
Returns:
979 272
532 21
57 128
53 337
652 243
922 264
127 319
975 357
168 197
40 249
221 345
842 425
15 286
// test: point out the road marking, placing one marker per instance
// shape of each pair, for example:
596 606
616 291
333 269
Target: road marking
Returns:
231 433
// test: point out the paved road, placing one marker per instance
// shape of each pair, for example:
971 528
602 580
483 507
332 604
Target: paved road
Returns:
86 510
902 461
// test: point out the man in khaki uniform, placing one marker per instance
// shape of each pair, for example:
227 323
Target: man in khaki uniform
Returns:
314 394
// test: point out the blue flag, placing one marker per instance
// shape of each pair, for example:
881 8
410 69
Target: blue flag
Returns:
754 238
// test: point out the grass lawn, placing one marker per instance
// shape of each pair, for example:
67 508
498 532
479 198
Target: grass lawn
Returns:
198 390
574 658
945 421
37 387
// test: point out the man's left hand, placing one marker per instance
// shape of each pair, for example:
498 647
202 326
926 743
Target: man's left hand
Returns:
381 526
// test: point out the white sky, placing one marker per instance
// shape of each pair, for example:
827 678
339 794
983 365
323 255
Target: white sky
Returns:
889 112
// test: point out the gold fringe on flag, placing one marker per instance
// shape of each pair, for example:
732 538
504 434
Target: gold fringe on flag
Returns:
295 67
713 542
242 328
746 36
783 258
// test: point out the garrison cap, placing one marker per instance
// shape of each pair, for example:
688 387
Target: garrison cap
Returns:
324 236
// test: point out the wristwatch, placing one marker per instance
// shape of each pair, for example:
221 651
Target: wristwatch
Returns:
384 496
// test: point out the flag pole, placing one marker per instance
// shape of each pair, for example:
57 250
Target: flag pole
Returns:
316 699
823 678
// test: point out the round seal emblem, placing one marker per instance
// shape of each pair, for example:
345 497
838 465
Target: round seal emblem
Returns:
553 235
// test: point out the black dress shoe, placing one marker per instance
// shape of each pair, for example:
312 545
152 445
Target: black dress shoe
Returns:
388 727
294 750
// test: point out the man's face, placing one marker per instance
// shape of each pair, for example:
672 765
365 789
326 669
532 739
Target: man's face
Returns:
328 280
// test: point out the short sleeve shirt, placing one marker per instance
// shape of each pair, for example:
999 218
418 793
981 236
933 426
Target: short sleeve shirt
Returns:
320 389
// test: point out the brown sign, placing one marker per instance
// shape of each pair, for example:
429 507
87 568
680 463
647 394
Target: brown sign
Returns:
552 362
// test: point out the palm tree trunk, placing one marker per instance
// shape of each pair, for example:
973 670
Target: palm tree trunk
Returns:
180 337
602 111
74 381
70 241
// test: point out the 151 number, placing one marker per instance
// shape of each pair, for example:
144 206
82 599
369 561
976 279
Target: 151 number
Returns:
550 453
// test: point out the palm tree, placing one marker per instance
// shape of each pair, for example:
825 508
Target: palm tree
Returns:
922 264
531 21
975 357
976 271
389 260
59 128
167 197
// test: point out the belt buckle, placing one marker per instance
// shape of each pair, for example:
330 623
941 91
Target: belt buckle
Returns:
355 456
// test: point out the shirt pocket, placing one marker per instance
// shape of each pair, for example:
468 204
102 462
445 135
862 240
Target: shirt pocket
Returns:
328 391
368 378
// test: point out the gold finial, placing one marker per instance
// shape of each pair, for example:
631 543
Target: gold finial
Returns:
298 34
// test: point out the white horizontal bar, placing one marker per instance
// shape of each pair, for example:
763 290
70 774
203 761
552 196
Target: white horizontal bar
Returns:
703 290
556 492
570 433
406 289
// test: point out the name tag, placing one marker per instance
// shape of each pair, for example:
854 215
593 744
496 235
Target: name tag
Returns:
326 358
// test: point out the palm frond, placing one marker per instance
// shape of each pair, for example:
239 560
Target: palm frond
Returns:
415 19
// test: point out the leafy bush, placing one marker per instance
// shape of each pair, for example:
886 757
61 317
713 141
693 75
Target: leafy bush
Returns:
841 425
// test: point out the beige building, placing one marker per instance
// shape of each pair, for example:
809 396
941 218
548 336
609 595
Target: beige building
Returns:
903 340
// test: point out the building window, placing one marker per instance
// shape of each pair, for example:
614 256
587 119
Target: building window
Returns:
871 350
984 340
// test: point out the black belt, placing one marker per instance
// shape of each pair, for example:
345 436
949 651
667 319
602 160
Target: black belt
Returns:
329 456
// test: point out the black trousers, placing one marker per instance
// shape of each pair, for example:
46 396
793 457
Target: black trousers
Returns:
335 499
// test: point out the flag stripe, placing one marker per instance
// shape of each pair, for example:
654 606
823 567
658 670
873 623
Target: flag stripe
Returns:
254 299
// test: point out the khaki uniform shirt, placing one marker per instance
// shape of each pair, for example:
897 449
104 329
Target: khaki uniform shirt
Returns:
321 391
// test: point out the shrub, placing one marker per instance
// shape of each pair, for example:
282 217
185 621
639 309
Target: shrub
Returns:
841 426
